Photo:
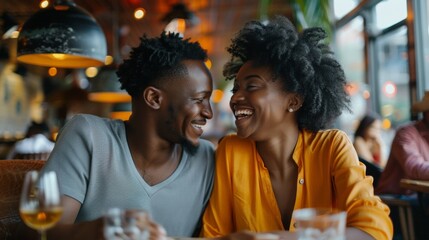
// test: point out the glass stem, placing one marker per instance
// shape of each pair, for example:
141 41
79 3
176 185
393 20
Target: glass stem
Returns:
42 234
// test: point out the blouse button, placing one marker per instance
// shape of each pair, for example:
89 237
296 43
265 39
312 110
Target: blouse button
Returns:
301 181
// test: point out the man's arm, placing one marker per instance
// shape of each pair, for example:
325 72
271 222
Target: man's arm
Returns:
406 149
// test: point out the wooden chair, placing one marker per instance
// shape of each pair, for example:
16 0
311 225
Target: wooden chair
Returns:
12 173
405 214
404 208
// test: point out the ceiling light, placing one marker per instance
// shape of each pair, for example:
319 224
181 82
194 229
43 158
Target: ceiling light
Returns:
64 36
180 11
10 25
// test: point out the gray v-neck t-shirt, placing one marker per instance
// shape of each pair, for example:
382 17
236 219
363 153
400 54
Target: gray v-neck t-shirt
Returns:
95 167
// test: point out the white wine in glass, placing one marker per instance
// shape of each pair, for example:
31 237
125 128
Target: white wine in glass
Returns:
40 207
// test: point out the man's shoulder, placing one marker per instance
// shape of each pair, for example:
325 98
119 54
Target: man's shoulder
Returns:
87 117
407 127
205 147
82 120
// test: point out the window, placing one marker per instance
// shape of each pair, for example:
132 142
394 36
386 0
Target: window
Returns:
393 76
350 51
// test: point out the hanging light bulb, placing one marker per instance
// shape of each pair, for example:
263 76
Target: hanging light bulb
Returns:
64 35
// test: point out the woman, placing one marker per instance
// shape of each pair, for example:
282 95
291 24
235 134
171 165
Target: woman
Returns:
368 142
287 91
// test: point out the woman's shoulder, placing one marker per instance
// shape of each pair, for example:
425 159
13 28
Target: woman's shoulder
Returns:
206 146
234 143
234 139
326 134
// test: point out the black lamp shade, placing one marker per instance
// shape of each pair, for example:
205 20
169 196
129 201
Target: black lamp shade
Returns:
64 36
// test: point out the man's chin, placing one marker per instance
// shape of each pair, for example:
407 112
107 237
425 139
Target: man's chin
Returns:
190 147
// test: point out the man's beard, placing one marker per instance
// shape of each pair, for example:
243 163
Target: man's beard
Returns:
186 144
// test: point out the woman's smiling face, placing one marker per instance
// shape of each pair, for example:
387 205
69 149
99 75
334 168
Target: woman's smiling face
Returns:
259 103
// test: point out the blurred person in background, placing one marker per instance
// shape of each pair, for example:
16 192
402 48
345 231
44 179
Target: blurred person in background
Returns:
36 144
288 90
368 141
409 158
409 153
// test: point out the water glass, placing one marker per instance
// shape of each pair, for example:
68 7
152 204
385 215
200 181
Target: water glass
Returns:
320 224
128 224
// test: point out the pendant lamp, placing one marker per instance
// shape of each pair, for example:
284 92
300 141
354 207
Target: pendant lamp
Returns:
10 25
64 36
181 11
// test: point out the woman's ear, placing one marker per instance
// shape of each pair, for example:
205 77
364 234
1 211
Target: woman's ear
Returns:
295 102
153 97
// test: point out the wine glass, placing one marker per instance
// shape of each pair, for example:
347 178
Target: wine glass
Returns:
40 207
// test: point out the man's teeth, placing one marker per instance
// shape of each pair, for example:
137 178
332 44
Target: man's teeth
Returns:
197 125
243 112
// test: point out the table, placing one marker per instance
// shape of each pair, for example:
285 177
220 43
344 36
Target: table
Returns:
418 186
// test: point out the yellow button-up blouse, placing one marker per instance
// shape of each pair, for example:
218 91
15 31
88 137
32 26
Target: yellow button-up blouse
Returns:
329 175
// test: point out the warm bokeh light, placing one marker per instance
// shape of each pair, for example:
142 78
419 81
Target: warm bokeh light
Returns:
59 56
217 95
139 13
122 115
366 94
352 88
208 63
387 110
177 25
91 72
181 25
389 89
54 135
108 60
52 71
387 124
14 34
44 4
109 97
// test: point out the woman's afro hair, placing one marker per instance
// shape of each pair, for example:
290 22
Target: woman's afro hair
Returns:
303 64
156 59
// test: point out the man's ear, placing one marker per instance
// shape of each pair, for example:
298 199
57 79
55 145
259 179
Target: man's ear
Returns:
153 97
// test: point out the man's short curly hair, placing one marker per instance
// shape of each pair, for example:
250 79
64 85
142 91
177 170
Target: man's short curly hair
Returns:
156 59
304 65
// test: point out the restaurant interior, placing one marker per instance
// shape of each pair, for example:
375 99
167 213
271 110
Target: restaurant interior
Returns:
383 46
54 94
384 57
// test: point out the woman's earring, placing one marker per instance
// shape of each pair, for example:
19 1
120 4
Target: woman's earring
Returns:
290 109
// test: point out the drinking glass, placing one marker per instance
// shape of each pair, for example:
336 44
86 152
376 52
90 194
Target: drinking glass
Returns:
320 224
126 224
40 206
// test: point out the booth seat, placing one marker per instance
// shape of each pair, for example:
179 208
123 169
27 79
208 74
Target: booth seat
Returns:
12 173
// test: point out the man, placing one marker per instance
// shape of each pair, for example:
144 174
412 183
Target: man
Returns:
409 154
155 160
409 158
